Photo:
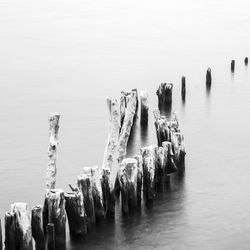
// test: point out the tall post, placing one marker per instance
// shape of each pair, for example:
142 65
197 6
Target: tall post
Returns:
209 77
246 61
52 150
164 94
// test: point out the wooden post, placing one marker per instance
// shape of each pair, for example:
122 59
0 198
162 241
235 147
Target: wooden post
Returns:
56 215
139 178
10 231
148 163
23 226
51 245
161 126
183 88
52 151
96 179
144 107
128 179
127 125
159 165
37 227
76 214
169 164
208 77
177 140
85 186
232 66
164 94
246 61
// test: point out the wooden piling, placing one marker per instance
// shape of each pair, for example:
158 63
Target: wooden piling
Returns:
128 179
144 107
56 214
232 66
85 186
164 94
76 214
148 163
159 166
10 231
183 88
132 103
246 61
37 227
209 77
162 128
51 245
169 162
23 226
96 178
52 150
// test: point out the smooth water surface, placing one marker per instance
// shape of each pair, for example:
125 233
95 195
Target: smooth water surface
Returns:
68 56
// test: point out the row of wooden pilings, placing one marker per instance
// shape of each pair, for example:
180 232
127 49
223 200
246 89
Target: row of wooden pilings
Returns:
93 197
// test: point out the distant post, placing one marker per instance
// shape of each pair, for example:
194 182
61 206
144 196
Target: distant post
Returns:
232 66
246 61
209 77
183 88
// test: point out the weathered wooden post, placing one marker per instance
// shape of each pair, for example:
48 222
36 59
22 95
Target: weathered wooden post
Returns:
209 77
54 212
128 179
148 163
127 125
52 150
37 228
10 231
76 215
183 88
179 151
164 94
97 194
161 126
110 163
139 178
51 245
85 186
159 165
144 107
169 164
23 233
246 61
232 66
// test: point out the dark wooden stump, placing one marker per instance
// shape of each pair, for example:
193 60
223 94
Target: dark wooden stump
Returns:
10 231
37 228
76 215
183 88
54 212
85 186
164 94
246 61
209 77
232 66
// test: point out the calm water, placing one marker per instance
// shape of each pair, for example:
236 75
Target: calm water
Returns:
67 56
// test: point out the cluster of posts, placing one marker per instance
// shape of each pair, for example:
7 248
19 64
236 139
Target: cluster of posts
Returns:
97 189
